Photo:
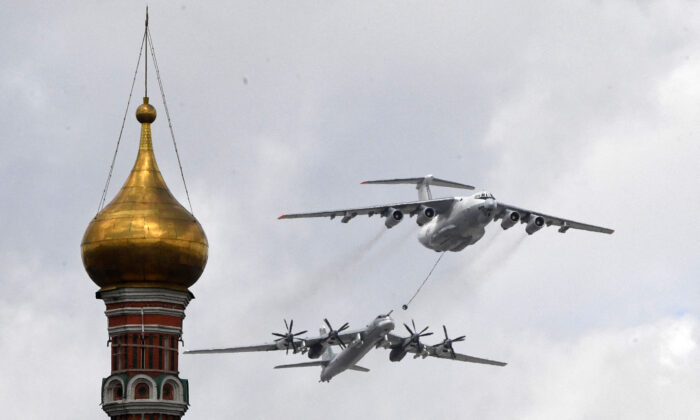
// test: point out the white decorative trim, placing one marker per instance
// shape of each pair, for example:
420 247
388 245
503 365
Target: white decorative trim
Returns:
136 328
172 408
180 313
108 391
145 294
137 379
178 391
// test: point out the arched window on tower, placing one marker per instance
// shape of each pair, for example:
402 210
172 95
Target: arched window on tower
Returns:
142 391
114 391
171 389
168 392
141 387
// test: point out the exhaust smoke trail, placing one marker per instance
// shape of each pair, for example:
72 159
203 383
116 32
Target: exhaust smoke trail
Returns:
335 271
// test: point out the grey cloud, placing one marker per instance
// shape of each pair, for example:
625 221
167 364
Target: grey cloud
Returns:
584 110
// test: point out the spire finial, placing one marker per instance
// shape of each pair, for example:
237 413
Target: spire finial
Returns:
145 63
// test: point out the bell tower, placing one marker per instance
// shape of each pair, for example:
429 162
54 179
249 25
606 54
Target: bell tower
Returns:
144 250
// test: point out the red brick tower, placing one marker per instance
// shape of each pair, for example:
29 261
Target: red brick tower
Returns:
144 250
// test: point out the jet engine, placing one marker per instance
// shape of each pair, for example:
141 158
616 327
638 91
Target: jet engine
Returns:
424 214
393 217
510 219
534 224
397 354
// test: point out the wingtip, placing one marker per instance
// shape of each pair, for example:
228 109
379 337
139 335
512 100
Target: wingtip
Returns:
282 217
364 182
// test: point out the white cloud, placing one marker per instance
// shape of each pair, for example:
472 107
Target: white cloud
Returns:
586 110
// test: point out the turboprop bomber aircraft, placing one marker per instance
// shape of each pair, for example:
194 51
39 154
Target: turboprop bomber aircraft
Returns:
452 223
355 344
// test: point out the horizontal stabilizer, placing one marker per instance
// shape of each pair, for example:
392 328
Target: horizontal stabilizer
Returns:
358 368
305 364
429 180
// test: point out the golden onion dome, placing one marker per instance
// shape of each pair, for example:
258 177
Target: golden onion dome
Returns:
144 237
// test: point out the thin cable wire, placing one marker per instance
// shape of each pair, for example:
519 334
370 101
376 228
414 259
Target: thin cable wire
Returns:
424 281
167 114
126 112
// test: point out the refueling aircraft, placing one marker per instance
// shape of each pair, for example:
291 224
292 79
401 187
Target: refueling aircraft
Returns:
452 223
354 345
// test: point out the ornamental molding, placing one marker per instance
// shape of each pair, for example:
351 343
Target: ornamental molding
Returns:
145 294
120 408
149 310
138 328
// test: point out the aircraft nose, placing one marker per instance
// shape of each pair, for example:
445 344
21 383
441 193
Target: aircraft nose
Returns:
490 204
389 324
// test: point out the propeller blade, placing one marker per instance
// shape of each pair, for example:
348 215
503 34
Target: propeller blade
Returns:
459 338
300 333
279 335
344 327
291 322
408 329
423 330
328 323
454 356
414 325
286 326
445 329
341 343
426 334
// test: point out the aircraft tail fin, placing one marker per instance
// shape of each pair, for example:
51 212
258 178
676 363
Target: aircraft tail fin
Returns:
305 364
328 354
358 368
423 184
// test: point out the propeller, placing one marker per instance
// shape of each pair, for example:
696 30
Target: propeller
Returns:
334 334
415 336
447 342
289 336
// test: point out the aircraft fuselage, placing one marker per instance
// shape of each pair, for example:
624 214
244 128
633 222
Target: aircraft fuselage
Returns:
462 225
358 348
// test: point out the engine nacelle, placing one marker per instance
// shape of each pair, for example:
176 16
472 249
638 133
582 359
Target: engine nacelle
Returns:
534 224
397 354
424 214
316 351
393 217
510 219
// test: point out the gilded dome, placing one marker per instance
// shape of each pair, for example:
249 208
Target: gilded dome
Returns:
144 237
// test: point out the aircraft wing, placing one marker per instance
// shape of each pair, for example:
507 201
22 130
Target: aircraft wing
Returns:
244 349
435 351
464 358
347 338
564 224
440 205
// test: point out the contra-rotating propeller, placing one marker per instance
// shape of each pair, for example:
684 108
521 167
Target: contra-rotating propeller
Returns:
289 337
415 336
334 334
447 342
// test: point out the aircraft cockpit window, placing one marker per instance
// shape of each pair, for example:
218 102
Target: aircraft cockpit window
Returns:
484 196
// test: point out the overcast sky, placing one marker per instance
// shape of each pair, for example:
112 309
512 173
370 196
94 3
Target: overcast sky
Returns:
586 110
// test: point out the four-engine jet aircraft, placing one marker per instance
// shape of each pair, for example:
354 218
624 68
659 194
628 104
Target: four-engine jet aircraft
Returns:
452 223
355 345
